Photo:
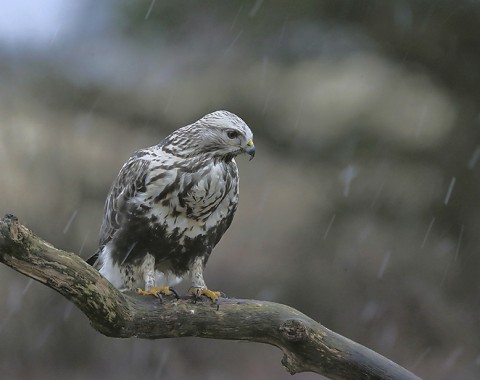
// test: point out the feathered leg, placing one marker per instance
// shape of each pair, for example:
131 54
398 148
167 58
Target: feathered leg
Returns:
199 288
148 269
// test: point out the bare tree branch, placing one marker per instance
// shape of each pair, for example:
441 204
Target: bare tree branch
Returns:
306 344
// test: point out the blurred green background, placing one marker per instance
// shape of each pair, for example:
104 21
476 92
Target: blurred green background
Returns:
360 208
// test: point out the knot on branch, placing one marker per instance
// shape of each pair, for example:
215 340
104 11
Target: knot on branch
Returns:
307 345
12 226
294 330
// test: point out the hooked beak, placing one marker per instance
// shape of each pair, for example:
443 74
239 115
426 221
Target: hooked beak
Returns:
250 149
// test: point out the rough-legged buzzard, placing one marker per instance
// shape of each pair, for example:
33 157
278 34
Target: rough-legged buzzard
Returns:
170 205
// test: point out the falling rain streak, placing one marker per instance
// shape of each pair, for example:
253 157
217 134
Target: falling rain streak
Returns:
453 358
329 226
474 159
428 232
450 189
267 101
27 286
128 253
149 9
67 311
385 261
239 34
459 242
450 261
255 8
348 175
70 221
83 244
303 75
165 355
234 22
421 357
43 336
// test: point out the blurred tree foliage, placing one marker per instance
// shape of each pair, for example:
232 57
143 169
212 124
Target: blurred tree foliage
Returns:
366 185
437 38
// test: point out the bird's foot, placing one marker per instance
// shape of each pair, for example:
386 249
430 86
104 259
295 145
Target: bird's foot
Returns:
199 292
158 291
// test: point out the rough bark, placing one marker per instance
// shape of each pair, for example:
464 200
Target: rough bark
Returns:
306 344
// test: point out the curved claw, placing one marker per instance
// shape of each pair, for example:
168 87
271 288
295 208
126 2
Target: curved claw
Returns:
199 292
158 292
174 292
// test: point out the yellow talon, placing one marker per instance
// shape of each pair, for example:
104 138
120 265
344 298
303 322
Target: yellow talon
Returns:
213 295
157 291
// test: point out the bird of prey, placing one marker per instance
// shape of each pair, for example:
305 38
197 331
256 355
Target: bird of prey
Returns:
170 205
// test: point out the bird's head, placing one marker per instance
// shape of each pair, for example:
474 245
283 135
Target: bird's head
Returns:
220 134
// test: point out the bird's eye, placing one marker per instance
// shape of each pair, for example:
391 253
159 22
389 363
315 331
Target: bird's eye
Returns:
232 134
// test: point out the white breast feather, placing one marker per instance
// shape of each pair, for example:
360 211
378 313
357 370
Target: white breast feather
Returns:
201 196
